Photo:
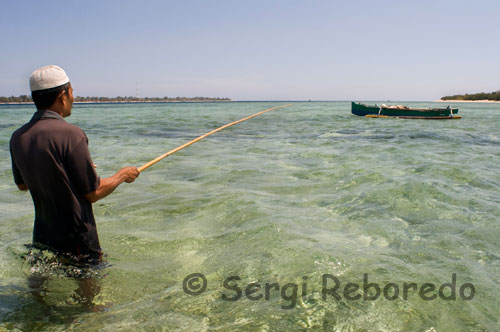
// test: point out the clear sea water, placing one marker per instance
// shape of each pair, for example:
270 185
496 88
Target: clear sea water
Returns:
282 199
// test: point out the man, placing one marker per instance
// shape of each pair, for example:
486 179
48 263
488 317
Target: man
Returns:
50 158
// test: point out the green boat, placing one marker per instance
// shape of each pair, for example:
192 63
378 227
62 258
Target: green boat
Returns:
398 111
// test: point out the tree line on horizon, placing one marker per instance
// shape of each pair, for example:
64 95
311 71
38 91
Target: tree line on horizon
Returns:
27 99
476 96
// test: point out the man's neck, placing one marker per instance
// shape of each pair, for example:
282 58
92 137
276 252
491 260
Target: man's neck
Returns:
52 110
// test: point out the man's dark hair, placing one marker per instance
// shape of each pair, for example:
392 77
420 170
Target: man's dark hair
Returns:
43 99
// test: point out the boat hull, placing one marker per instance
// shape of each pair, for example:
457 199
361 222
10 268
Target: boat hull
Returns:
408 113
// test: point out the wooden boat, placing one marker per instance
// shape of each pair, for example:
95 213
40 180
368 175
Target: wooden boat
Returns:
398 111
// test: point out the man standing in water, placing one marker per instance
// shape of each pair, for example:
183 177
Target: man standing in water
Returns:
50 158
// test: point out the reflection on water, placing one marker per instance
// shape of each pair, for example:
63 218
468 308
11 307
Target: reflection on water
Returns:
57 291
45 265
84 295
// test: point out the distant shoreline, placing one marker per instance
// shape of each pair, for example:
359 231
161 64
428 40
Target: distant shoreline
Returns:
467 101
126 102
225 101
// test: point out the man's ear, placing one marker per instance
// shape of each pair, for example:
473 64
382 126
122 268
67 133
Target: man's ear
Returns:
63 96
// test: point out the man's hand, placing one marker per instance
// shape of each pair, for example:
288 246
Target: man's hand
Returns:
129 174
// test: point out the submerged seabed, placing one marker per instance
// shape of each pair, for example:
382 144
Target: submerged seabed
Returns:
283 199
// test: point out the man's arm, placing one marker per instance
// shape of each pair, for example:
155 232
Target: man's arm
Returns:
108 185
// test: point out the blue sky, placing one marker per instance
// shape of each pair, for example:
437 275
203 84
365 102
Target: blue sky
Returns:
256 50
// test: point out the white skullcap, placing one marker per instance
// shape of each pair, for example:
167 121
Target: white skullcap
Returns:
48 77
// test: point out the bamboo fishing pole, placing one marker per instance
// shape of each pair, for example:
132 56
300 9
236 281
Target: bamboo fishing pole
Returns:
157 159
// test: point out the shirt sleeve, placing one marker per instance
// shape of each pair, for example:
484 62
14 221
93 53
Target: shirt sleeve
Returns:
18 179
81 168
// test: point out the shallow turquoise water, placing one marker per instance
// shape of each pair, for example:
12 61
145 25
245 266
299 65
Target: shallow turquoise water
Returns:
283 198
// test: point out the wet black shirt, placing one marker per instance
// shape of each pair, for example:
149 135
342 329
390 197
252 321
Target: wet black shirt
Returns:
51 157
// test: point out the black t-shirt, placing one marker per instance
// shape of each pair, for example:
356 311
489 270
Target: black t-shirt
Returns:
51 157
